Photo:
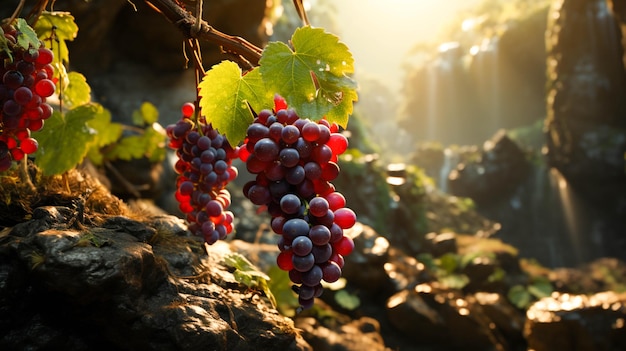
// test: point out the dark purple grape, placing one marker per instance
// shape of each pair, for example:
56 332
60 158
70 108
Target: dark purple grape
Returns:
301 246
295 175
318 206
322 253
295 227
319 234
312 170
13 79
204 142
313 276
22 95
259 195
289 157
290 204
290 134
257 132
331 272
304 263
266 150
306 292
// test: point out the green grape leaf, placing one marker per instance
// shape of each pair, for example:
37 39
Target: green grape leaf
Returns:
280 285
77 92
146 114
519 296
127 148
313 78
64 142
106 133
449 262
226 98
150 143
26 36
347 300
57 25
249 275
453 281
4 46
540 287
155 138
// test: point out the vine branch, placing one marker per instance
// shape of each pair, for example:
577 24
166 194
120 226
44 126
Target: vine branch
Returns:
188 24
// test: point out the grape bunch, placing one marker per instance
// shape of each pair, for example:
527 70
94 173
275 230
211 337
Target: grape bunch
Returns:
204 168
295 161
26 81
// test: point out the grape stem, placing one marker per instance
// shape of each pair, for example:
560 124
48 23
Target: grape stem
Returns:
248 53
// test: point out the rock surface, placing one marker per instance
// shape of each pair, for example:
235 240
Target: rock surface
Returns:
127 285
577 322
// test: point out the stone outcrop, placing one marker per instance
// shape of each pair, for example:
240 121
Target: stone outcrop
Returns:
127 285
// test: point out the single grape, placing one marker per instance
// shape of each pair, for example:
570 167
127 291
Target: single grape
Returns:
313 276
303 263
319 234
302 246
29 145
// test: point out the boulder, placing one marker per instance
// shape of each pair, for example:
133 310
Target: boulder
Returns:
128 284
577 322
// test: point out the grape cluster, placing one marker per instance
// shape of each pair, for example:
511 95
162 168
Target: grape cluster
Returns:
295 161
26 81
204 168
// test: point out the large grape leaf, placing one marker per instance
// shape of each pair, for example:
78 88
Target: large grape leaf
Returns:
64 141
53 26
226 98
314 76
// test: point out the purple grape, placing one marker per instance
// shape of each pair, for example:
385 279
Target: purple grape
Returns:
266 150
331 272
289 157
313 276
301 246
13 79
290 134
322 253
304 263
295 227
319 234
318 206
295 175
204 142
290 204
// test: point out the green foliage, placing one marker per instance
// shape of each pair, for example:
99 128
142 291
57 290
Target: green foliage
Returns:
523 296
65 140
280 285
347 300
26 36
226 98
146 114
313 79
57 27
77 92
249 275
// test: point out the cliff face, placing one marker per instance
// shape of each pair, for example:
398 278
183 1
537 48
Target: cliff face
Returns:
586 118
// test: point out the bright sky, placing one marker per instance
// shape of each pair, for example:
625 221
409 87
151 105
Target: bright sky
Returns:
380 32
